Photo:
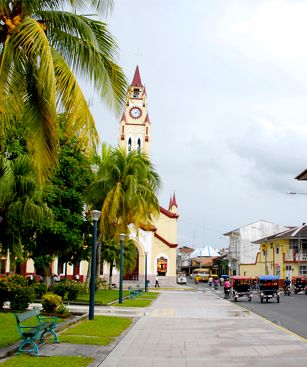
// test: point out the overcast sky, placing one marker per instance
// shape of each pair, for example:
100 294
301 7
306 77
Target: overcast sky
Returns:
227 93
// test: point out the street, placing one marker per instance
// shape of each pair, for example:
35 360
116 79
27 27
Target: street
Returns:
290 313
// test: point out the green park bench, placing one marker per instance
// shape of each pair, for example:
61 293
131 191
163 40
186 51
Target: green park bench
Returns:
135 291
32 328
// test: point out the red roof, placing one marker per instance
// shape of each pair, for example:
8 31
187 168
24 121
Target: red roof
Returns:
168 213
174 202
171 245
136 82
147 119
124 117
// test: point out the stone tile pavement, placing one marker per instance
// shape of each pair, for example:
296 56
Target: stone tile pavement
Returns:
197 329
201 330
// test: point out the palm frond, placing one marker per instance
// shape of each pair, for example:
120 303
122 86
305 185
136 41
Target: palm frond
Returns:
80 120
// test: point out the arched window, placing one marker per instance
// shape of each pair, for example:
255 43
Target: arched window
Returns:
139 145
129 145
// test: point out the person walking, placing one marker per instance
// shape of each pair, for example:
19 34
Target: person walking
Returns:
157 285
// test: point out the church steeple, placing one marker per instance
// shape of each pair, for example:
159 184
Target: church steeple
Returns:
135 124
136 82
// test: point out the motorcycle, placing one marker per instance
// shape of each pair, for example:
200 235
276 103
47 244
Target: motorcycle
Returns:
216 286
287 290
227 293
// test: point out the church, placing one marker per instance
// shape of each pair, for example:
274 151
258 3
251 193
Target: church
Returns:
155 246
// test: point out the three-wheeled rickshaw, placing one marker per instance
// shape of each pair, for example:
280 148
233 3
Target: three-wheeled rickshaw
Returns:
299 284
268 287
241 287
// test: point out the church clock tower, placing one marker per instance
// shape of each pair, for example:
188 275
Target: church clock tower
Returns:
134 131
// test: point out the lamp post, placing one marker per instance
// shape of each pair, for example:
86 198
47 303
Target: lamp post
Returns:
146 285
95 214
121 267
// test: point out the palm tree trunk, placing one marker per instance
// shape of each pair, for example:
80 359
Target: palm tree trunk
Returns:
110 275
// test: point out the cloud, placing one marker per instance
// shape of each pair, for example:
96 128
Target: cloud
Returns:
274 150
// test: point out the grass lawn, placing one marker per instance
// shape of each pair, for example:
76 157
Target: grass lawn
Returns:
28 361
8 331
149 295
134 302
100 331
103 296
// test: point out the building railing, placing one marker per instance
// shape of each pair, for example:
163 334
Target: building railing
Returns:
295 256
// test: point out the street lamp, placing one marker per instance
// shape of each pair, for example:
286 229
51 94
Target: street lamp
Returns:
146 285
95 214
296 193
121 267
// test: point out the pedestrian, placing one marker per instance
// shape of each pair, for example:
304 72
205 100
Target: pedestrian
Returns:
157 285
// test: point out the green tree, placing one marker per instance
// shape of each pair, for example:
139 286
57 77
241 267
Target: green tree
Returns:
125 189
21 203
110 252
66 236
44 46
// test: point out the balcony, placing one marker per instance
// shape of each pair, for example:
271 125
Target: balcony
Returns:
292 256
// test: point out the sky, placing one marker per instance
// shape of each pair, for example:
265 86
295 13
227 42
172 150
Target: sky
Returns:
227 97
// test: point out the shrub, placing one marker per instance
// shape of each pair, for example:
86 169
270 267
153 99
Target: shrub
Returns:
40 289
60 289
51 302
73 289
20 293
62 310
67 289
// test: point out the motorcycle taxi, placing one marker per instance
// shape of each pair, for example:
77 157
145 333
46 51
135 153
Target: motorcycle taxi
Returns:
268 287
241 287
299 284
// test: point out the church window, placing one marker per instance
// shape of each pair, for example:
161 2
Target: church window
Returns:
146 130
129 145
139 144
162 266
136 93
123 129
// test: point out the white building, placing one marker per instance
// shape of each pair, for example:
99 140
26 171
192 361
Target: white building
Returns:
242 250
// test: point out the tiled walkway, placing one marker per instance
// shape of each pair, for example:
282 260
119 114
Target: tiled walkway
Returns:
197 329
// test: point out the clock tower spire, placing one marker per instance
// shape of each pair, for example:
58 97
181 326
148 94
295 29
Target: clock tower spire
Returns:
135 123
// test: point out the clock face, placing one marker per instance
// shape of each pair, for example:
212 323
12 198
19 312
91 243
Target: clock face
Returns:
135 112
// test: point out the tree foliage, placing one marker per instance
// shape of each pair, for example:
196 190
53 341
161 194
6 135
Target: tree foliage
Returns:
125 189
21 203
67 235
44 47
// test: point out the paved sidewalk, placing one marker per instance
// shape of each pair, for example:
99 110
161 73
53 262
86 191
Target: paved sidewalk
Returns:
199 329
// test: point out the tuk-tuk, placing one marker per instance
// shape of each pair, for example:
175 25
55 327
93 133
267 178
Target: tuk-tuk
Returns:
241 286
299 284
268 287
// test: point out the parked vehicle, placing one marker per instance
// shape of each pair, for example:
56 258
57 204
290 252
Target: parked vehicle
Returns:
268 287
299 284
181 278
241 287
201 274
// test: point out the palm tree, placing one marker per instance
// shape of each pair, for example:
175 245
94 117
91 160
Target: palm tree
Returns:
44 45
125 189
21 203
110 252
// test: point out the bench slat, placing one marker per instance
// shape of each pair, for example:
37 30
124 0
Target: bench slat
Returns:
26 315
